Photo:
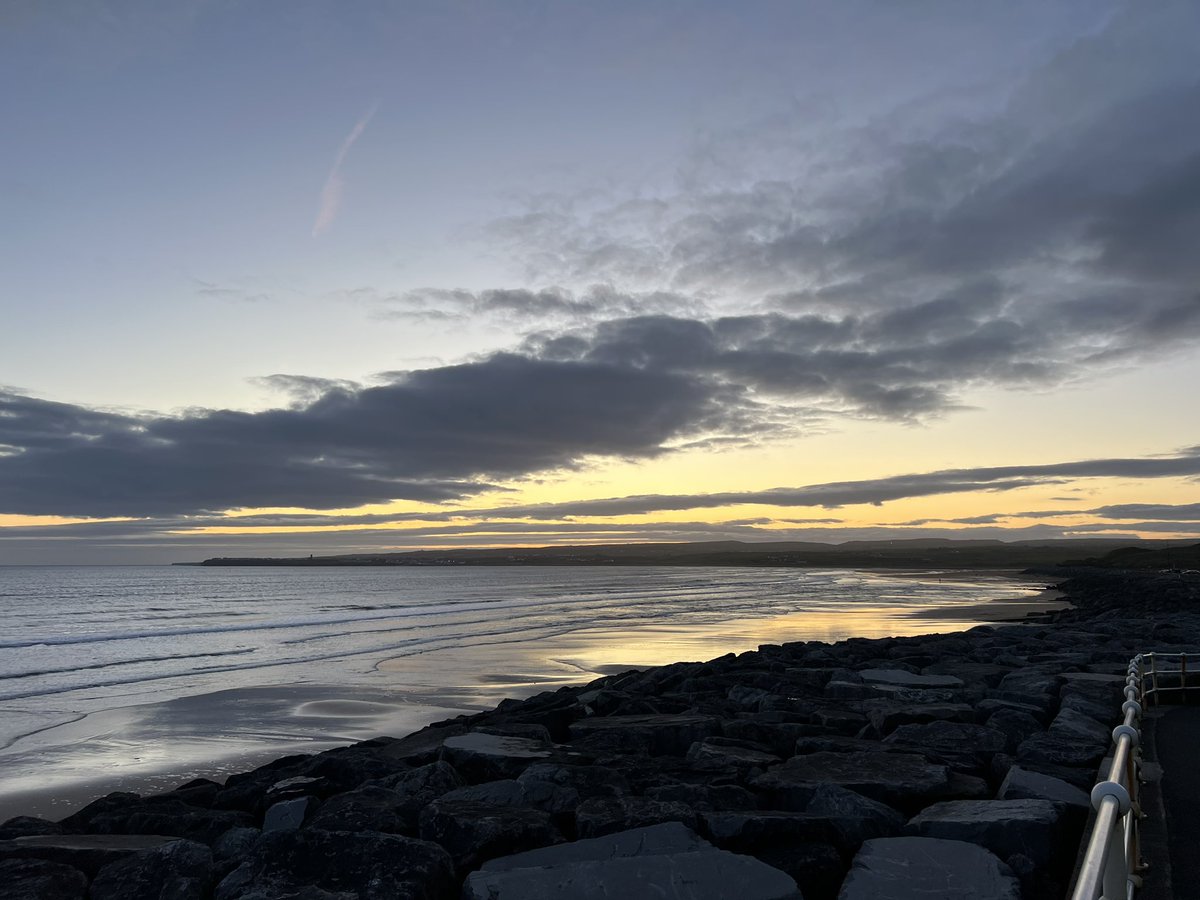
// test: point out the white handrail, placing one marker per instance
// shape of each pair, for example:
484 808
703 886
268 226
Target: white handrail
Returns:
1112 860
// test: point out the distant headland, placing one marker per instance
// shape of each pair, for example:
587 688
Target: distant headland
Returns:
899 554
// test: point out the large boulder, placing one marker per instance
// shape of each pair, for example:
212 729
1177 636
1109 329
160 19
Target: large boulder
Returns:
163 815
365 866
40 879
368 809
661 860
917 868
181 870
853 817
1021 784
655 735
903 780
608 815
26 826
481 756
475 832
1032 828
901 678
86 852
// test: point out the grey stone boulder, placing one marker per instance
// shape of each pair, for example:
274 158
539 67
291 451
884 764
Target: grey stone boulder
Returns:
600 815
901 678
1021 784
164 815
743 831
723 753
480 756
531 793
587 781
25 826
1033 828
287 815
369 809
650 840
366 866
665 860
652 735
1060 750
919 868
886 716
1071 723
705 796
1015 724
86 852
40 879
475 832
181 870
853 817
902 780
230 847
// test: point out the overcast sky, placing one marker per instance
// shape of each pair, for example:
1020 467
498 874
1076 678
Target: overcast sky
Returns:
318 277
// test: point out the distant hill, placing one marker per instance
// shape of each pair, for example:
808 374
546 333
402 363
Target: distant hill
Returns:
917 554
1174 557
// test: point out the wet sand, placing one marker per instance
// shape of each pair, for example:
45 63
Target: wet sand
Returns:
154 747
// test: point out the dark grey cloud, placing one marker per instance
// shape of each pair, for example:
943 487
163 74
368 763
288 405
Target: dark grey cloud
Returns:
426 435
522 306
941 249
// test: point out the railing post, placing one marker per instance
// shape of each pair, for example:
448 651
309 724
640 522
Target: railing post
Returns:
1183 677
1154 677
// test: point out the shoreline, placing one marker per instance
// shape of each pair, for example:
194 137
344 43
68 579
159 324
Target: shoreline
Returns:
796 762
580 656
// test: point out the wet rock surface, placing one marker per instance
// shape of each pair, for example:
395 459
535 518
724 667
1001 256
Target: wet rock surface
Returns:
941 765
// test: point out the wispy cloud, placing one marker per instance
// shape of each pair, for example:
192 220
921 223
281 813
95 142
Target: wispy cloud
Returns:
331 192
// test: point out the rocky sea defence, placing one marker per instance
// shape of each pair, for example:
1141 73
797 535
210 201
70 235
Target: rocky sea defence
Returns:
954 765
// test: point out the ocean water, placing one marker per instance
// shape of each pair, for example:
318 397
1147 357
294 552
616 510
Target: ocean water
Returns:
118 676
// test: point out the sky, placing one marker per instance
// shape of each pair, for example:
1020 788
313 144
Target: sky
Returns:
312 277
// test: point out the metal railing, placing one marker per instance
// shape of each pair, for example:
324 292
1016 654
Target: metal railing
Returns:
1112 863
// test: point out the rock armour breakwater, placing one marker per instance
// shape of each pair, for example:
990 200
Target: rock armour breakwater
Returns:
947 765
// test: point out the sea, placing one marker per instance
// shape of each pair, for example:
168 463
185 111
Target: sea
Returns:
143 677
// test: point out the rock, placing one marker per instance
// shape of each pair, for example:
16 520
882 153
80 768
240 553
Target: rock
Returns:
669 735
668 857
903 780
475 832
817 868
425 746
1031 827
958 744
721 753
916 868
1015 724
1020 784
234 844
163 815
743 831
705 796
26 826
601 815
368 809
586 781
365 866
530 793
41 879
1072 724
900 678
485 757
1060 750
198 792
288 815
86 852
886 715
853 817
181 870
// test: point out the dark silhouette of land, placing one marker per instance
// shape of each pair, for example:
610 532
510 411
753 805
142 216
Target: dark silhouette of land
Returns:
900 554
